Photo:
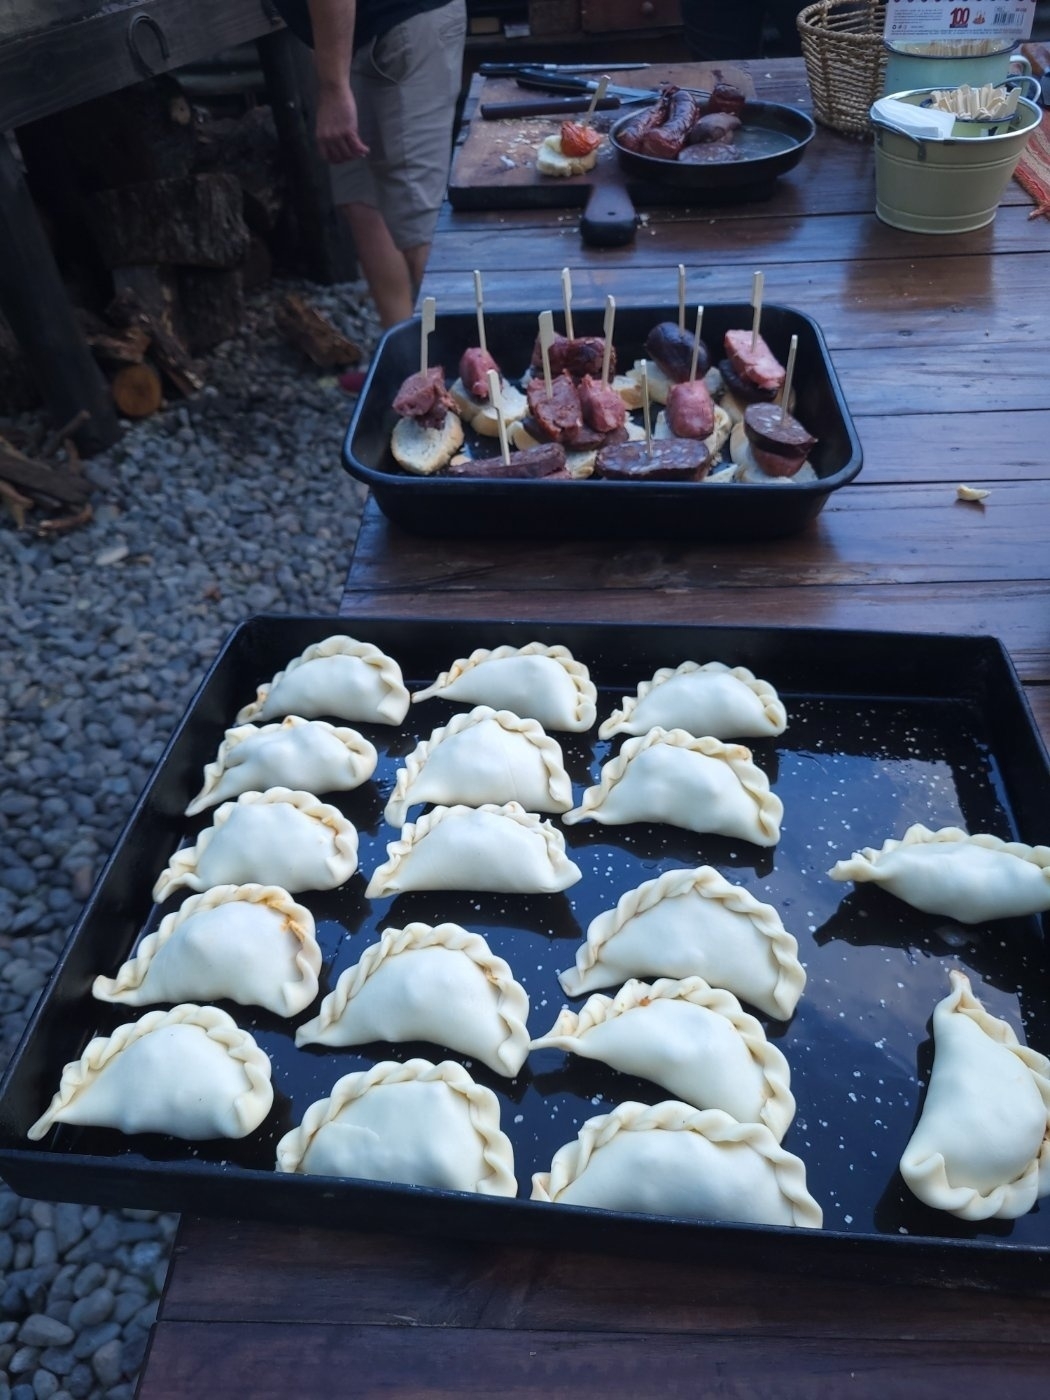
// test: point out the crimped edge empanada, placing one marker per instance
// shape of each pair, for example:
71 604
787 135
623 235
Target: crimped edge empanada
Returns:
559 785
512 1002
570 1161
483 1105
586 691
182 866
769 808
772 706
251 1107
708 884
297 920
927 1177
779 1107
384 878
361 754
392 708
862 866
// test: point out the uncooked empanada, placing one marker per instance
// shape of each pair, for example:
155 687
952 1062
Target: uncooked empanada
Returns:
694 1040
190 1072
981 1147
415 1123
700 784
671 1159
717 700
969 878
693 923
502 849
484 756
278 837
340 677
251 944
309 755
440 984
537 682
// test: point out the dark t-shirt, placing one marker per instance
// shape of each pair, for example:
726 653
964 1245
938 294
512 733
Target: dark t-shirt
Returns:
374 17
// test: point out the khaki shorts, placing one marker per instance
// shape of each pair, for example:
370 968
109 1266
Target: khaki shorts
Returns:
406 84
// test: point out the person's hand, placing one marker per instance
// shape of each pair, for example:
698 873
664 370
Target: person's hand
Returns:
338 138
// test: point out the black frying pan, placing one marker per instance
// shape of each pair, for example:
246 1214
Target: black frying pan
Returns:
772 139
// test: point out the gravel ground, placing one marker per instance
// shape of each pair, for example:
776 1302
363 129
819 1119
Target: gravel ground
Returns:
216 508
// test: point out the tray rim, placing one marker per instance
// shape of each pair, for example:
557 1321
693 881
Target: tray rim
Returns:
241 1191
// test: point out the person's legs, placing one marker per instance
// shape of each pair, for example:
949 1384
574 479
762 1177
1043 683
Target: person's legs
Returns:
406 84
391 278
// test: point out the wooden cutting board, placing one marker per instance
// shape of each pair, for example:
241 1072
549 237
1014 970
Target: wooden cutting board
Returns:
494 166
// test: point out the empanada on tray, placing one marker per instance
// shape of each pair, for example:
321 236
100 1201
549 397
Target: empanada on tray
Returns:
725 702
544 683
338 677
416 1123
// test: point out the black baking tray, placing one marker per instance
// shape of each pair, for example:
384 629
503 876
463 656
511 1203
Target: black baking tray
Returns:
597 509
885 729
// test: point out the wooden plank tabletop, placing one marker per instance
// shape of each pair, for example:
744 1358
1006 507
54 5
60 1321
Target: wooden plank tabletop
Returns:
942 347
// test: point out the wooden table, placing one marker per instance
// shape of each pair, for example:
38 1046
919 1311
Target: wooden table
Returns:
942 347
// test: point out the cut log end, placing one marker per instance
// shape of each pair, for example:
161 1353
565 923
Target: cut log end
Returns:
137 390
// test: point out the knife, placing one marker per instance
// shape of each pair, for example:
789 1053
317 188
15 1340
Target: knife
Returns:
555 82
510 70
545 106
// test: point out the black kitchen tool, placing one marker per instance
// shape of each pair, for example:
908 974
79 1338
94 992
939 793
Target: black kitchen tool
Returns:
511 70
883 729
557 82
542 107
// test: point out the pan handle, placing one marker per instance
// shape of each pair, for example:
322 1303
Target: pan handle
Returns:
610 218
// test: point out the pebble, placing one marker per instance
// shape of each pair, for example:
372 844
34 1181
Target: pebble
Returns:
202 514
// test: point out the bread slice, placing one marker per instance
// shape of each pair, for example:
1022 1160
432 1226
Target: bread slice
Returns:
551 159
424 451
480 414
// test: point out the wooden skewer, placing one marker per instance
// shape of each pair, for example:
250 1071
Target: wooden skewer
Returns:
756 302
426 325
546 336
610 316
566 292
789 373
496 400
645 408
479 302
681 296
596 97
696 344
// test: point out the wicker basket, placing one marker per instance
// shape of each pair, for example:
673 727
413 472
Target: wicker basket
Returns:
845 60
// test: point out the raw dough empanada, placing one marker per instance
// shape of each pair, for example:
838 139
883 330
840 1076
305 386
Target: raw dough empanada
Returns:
278 837
717 700
700 784
502 849
440 984
309 755
981 1147
484 756
415 1123
190 1072
537 682
251 944
670 1159
694 1040
969 878
340 677
693 923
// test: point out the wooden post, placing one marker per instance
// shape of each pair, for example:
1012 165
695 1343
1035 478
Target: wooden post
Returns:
34 301
325 239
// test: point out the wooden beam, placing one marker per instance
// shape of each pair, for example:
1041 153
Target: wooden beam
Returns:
34 301
290 82
66 63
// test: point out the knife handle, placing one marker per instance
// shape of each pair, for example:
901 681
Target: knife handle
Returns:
609 219
492 111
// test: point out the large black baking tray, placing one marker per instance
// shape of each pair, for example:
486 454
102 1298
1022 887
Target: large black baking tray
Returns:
884 730
590 509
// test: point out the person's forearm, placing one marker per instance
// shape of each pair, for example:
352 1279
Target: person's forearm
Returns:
333 26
